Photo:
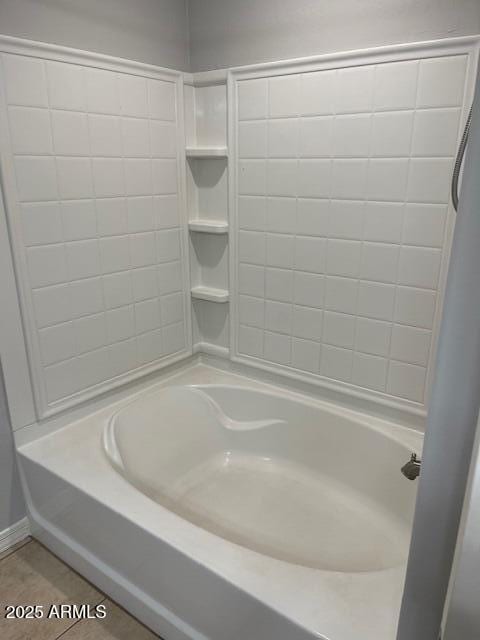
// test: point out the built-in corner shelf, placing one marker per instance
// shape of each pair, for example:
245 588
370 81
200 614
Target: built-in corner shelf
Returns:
211 294
207 160
206 152
208 226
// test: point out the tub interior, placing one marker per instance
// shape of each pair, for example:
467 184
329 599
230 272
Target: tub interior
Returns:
279 477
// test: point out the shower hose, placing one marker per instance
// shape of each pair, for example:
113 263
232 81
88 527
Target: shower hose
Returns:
459 160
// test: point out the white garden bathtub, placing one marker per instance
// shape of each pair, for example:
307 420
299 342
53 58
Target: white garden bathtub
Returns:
223 508
279 477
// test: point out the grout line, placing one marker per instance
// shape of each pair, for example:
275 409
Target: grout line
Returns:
265 230
401 243
68 629
27 541
365 200
75 321
125 198
298 120
74 624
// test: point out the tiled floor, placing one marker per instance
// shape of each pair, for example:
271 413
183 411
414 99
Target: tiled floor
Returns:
31 575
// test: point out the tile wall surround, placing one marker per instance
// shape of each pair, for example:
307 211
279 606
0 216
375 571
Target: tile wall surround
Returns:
92 181
342 199
339 217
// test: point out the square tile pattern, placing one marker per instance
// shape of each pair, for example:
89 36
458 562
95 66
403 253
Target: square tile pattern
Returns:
31 575
343 188
95 164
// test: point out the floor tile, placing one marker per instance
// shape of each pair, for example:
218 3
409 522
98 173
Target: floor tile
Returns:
32 575
117 625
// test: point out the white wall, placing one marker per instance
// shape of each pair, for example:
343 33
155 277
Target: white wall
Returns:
225 33
153 31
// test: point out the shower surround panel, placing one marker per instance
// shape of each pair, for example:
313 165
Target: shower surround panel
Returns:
341 201
93 181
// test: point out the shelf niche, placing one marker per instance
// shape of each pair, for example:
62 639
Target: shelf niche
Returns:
207 201
206 152
211 326
217 227
209 260
207 189
210 294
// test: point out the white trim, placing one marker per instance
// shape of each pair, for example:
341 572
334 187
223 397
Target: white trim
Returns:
335 386
372 55
351 401
232 212
183 211
467 46
17 46
206 78
212 350
31 432
14 534
21 46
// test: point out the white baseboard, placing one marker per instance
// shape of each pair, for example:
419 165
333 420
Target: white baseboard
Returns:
15 533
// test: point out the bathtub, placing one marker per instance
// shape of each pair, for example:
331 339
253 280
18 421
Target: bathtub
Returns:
214 506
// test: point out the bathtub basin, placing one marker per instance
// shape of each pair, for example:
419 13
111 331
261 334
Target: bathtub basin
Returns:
214 506
268 473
